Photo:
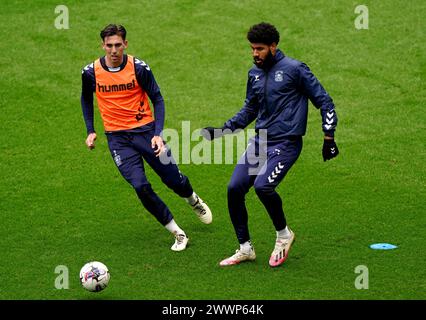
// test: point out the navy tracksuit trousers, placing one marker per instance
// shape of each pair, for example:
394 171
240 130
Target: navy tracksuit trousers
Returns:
262 166
129 150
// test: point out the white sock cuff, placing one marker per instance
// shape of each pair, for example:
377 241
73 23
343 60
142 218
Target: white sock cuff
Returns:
246 246
192 199
174 228
284 233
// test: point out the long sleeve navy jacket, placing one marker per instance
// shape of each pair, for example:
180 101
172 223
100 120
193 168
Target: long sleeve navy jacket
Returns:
277 98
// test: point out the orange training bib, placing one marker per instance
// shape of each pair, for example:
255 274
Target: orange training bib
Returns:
123 104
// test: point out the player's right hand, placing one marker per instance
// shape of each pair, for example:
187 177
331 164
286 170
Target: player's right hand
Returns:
210 133
90 140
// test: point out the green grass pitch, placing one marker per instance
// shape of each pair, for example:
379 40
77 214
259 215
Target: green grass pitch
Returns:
61 204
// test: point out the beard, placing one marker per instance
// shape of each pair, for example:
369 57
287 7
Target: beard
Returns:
264 63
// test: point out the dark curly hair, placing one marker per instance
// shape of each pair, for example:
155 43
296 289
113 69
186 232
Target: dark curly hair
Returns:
112 30
263 33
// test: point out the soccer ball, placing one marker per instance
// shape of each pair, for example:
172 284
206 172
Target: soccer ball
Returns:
94 276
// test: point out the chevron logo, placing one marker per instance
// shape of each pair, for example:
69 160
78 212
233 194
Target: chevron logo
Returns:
333 150
87 67
278 169
329 120
142 63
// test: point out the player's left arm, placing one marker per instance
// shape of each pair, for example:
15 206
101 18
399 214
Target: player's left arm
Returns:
146 80
321 100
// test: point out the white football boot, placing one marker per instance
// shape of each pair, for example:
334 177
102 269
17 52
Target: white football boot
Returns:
202 211
282 247
238 257
181 240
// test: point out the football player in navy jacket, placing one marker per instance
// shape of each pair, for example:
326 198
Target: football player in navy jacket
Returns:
278 90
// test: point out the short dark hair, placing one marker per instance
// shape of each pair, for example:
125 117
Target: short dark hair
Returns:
112 30
263 33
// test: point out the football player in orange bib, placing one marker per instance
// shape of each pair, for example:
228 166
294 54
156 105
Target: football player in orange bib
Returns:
124 86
